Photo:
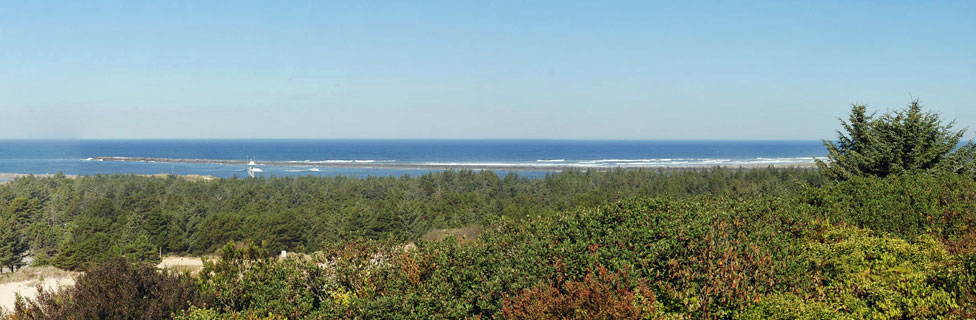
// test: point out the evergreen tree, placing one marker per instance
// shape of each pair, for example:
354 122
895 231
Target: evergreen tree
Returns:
13 248
43 240
140 249
896 142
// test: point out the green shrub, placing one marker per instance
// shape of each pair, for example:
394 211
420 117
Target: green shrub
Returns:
962 276
789 306
247 280
703 258
906 206
859 276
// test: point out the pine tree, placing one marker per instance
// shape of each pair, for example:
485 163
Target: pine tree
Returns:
13 248
896 142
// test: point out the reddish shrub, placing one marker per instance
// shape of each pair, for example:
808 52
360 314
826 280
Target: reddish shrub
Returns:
600 295
721 273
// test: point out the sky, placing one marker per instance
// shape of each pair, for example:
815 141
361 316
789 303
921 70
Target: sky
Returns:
714 70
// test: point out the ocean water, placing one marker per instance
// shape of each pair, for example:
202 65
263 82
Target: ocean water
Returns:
361 158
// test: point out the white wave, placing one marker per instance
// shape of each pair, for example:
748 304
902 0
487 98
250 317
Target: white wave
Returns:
788 160
336 161
683 162
714 161
661 160
345 161
474 164
624 160
495 164
552 161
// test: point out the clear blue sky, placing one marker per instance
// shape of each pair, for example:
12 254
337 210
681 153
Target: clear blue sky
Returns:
476 69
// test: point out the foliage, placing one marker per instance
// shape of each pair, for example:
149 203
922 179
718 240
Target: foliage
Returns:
247 280
860 276
601 295
77 223
897 142
881 278
634 258
940 205
808 253
721 244
963 277
13 221
116 289
13 247
702 257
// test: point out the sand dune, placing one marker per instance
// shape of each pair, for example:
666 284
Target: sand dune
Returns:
28 289
192 264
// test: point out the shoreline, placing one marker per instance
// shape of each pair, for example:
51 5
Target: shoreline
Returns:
8 176
13 176
453 166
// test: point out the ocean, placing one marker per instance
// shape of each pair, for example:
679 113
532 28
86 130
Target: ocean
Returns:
362 158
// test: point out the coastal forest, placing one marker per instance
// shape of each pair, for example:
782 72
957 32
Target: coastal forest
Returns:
883 229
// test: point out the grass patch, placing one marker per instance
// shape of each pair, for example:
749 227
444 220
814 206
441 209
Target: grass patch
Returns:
36 273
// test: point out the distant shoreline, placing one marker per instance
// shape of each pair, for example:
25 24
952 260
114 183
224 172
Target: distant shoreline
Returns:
12 176
450 166
411 166
7 176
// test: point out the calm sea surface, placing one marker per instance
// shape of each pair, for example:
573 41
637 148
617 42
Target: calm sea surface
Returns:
531 157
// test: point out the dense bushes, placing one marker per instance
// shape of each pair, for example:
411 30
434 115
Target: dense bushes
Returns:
116 289
637 258
859 276
600 295
701 257
906 206
246 279
888 248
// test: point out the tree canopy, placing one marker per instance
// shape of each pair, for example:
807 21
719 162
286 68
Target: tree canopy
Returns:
895 142
75 223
